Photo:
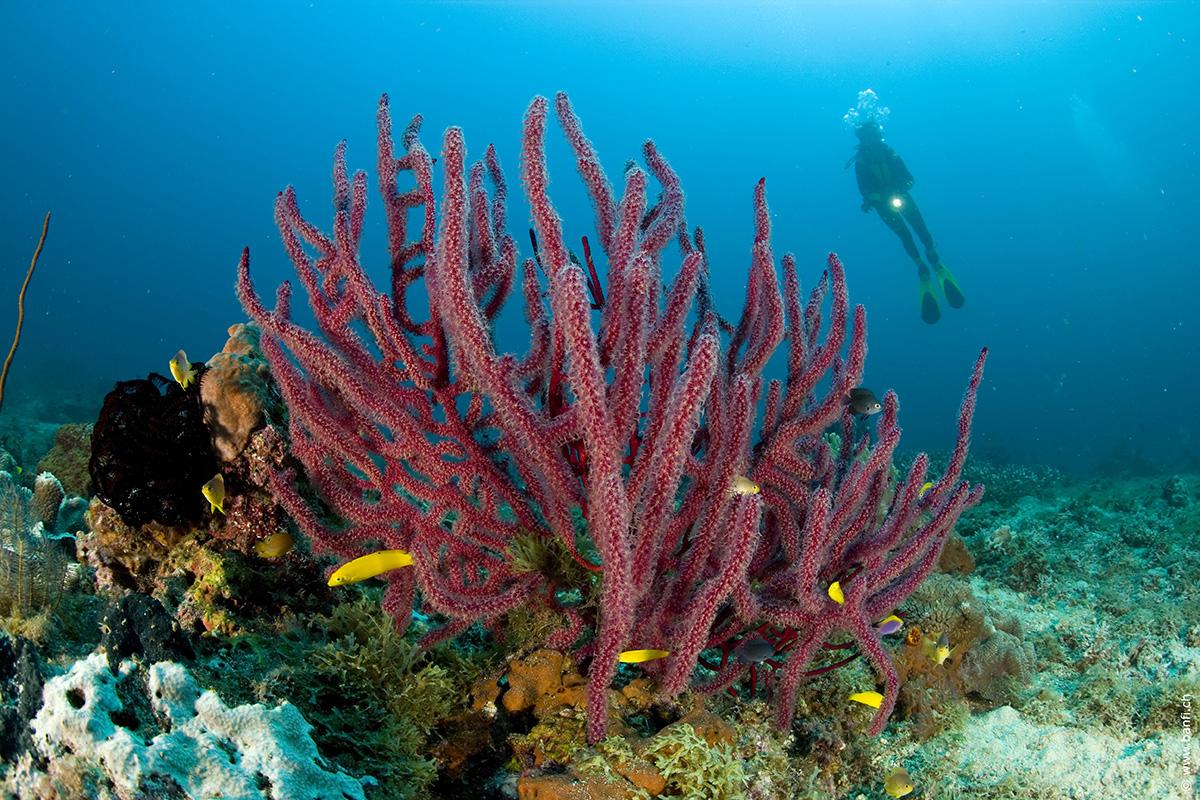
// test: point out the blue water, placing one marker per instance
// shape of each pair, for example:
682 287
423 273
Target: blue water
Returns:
1054 148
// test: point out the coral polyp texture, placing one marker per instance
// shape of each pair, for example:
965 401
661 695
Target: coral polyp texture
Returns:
616 437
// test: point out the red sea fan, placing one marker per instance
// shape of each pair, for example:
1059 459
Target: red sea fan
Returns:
421 436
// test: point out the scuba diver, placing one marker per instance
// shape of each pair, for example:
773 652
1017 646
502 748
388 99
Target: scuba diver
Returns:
884 182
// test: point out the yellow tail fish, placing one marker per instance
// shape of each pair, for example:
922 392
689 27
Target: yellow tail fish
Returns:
369 566
872 699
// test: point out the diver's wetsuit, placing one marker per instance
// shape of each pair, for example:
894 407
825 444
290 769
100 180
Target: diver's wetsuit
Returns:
912 215
882 177
884 181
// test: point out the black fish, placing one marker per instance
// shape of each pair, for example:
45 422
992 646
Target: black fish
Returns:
862 401
754 651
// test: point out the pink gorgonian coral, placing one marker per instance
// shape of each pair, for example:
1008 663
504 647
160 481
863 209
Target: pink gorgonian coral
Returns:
634 407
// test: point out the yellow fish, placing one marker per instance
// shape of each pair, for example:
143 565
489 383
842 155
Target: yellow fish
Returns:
925 487
369 566
743 485
836 594
638 656
939 651
214 492
181 369
275 545
899 783
872 699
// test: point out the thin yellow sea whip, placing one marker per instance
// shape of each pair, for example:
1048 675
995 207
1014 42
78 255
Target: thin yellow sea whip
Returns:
12 351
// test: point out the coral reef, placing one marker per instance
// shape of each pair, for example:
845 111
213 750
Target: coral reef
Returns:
126 556
251 512
632 481
8 462
122 735
1077 688
1008 481
72 515
1102 578
210 575
212 590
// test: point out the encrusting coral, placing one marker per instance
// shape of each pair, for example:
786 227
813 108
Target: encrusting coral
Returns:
236 390
987 661
68 458
161 736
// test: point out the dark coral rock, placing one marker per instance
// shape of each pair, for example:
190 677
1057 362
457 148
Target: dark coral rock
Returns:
151 452
139 625
20 695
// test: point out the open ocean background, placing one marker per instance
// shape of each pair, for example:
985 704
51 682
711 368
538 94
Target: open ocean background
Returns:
1054 147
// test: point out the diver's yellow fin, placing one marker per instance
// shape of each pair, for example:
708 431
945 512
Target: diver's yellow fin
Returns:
930 312
950 288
